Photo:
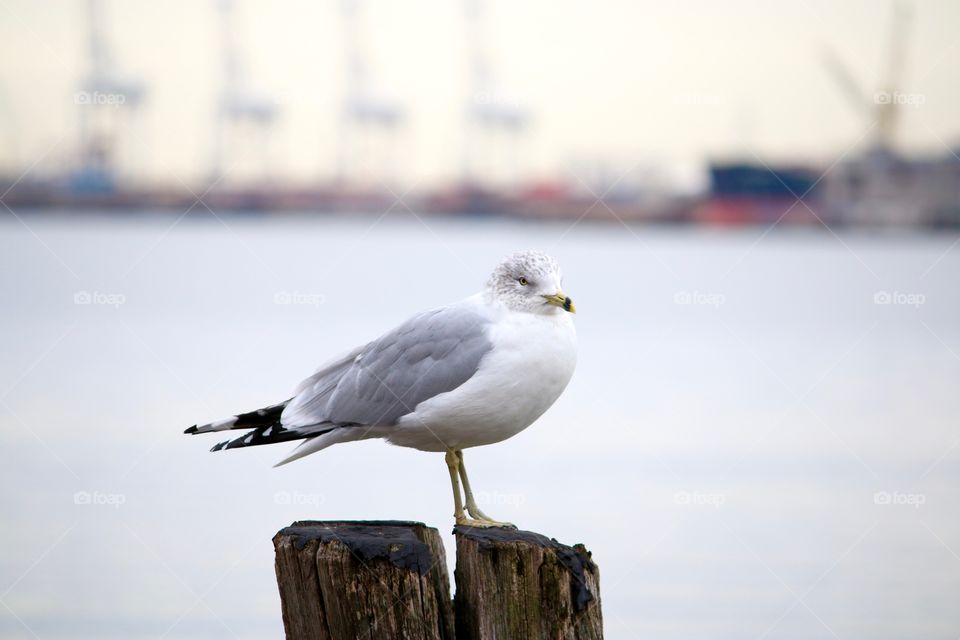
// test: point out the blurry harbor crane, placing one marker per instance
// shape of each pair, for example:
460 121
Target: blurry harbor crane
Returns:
882 185
883 106
371 118
245 113
495 119
108 103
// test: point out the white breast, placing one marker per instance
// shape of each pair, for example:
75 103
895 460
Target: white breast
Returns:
531 362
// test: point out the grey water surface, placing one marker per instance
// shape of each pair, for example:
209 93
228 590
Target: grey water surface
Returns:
760 441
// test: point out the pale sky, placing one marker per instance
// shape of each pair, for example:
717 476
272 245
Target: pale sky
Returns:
668 84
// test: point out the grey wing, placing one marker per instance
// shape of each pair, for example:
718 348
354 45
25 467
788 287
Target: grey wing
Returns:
430 354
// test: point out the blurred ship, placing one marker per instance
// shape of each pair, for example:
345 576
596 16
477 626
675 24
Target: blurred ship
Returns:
877 186
745 193
880 188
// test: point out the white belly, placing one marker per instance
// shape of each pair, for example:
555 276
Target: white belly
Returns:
532 361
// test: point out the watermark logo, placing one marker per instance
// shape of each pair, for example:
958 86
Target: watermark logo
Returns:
915 500
114 300
297 498
898 98
899 298
699 298
695 498
99 498
500 499
496 98
99 99
299 298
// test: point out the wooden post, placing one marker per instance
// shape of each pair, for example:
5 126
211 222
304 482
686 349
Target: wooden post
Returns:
520 584
363 580
386 579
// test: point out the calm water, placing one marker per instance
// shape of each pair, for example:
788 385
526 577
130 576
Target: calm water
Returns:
752 446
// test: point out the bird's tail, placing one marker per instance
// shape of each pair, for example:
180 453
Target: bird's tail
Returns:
266 417
266 428
273 434
264 425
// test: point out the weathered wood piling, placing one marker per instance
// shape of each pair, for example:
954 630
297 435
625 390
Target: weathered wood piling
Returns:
520 584
368 580
388 579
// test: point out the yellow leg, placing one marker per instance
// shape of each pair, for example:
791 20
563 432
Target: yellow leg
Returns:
453 464
480 518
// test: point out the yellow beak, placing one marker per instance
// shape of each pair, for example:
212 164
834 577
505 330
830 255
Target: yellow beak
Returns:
561 300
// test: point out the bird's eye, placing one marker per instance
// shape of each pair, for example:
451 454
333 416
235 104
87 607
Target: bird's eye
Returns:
523 281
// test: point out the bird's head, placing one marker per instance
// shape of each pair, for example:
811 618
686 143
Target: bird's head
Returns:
530 281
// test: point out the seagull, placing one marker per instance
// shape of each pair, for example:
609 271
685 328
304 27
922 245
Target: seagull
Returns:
467 374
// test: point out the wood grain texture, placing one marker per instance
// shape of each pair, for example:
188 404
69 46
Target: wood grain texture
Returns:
368 580
386 579
520 584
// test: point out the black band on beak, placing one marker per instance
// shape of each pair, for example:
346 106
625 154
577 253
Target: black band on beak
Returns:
567 302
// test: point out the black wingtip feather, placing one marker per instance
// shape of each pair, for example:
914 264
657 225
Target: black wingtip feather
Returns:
273 433
191 430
